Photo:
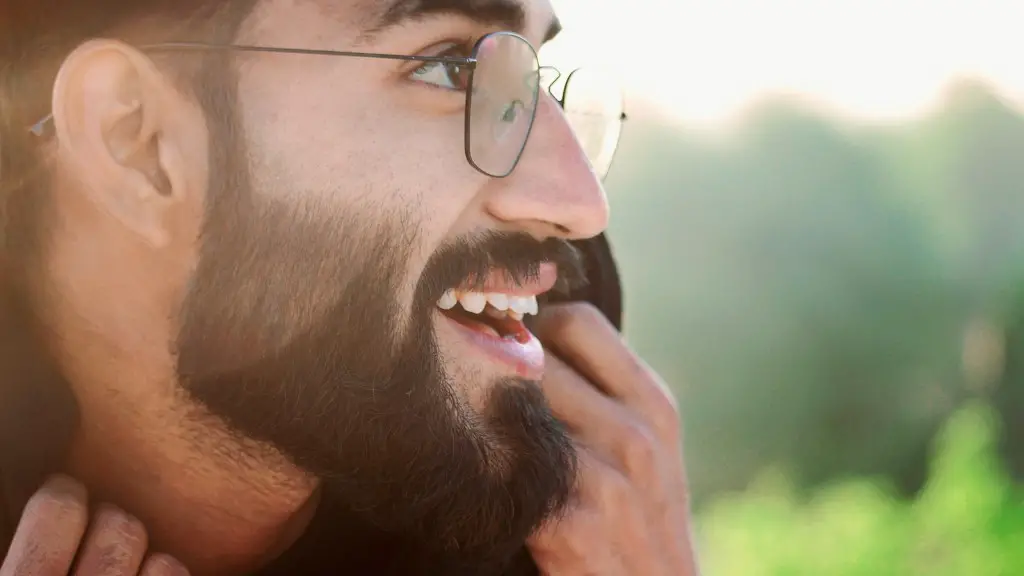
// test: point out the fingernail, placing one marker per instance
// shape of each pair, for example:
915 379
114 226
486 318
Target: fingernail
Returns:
62 485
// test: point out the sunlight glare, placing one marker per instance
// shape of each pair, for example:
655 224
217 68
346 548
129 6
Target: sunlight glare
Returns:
873 59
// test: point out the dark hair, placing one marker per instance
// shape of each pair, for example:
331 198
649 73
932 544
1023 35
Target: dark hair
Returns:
35 37
38 413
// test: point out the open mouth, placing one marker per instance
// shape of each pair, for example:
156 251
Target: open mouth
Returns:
493 314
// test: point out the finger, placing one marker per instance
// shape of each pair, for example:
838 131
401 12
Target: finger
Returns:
580 333
573 398
114 546
163 565
613 433
594 419
50 529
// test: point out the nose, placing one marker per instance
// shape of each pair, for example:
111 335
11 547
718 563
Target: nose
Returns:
553 190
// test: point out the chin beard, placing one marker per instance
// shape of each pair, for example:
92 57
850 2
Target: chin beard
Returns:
398 452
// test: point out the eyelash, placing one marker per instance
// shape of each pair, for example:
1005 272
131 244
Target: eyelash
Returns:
456 49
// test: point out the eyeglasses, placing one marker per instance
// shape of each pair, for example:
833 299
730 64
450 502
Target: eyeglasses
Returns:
502 79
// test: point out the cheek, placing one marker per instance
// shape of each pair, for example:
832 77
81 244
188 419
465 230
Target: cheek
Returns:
354 150
367 149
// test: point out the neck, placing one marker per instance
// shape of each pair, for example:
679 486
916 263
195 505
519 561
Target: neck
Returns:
215 504
218 503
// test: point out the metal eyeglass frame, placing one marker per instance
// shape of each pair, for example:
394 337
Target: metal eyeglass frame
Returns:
39 128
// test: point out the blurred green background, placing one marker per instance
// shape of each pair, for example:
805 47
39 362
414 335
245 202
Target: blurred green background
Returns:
818 208
840 307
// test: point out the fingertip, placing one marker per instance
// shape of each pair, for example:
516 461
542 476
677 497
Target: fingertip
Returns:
121 525
63 486
60 496
163 565
50 529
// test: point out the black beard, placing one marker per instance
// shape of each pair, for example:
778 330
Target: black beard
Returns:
361 399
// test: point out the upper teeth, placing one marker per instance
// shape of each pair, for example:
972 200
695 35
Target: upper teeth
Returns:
475 302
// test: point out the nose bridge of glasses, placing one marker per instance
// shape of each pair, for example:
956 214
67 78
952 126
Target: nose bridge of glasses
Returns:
551 81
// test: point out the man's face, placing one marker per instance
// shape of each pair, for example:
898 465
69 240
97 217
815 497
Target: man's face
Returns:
342 221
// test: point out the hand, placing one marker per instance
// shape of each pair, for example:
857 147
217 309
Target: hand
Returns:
631 515
49 539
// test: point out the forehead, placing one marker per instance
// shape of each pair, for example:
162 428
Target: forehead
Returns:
521 16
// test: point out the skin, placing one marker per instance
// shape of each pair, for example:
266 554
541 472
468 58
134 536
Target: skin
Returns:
56 536
632 513
132 167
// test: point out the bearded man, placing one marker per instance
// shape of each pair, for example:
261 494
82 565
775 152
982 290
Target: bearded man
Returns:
275 279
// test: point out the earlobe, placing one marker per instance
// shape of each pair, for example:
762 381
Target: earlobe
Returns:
112 110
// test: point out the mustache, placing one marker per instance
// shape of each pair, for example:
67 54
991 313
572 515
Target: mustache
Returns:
467 262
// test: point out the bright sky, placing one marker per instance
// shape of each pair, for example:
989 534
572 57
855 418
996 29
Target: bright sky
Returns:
703 60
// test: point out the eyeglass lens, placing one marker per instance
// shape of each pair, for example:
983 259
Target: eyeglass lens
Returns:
503 105
593 104
503 102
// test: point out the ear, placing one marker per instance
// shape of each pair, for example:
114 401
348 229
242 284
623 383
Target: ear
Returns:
132 142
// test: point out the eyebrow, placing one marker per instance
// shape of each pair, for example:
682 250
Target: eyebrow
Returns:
505 14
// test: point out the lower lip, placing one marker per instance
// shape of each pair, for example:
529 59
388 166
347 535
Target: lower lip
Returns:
527 357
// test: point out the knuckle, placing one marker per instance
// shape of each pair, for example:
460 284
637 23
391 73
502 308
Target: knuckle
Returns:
588 316
638 370
614 491
639 451
571 317
659 402
665 413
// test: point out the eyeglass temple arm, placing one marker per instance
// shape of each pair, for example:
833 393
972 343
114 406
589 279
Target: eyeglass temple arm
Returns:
565 89
39 128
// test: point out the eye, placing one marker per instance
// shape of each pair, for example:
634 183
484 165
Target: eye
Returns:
446 75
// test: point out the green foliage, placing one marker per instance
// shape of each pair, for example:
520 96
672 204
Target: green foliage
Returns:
968 520
806 284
